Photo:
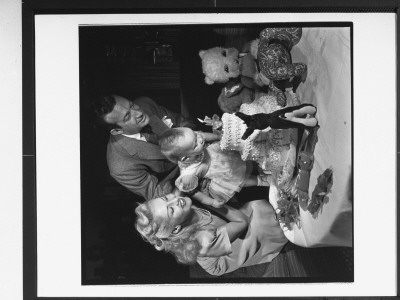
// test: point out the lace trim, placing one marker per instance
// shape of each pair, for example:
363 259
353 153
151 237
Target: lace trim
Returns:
264 104
232 130
265 152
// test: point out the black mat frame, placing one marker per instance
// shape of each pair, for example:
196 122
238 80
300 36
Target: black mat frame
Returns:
30 8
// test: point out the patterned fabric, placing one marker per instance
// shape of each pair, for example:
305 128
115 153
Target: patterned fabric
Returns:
274 59
280 95
291 36
275 62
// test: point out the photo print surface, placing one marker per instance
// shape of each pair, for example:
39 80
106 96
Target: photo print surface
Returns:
307 200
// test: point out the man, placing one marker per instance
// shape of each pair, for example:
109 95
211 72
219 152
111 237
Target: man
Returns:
133 153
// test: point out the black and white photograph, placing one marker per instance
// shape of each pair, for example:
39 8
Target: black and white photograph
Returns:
276 201
209 154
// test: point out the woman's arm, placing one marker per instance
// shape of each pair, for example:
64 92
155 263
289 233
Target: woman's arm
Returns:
207 200
238 221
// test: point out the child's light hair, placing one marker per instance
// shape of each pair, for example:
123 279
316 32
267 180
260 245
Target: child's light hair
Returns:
168 142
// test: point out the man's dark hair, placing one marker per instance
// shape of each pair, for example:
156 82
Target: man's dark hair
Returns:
103 105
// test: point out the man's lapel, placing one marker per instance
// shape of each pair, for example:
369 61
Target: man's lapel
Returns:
142 149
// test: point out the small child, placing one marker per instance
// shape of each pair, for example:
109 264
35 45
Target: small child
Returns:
227 171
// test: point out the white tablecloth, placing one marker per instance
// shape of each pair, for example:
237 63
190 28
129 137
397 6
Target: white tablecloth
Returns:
328 86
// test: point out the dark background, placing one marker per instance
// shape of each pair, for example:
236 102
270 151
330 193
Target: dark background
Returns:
160 62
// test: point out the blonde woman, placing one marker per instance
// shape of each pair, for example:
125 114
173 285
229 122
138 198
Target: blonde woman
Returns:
220 242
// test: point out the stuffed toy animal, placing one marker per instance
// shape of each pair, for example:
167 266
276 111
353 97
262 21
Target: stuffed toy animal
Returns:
262 60
233 95
222 64
275 61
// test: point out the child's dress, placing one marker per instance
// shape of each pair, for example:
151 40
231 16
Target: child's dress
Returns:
274 151
226 170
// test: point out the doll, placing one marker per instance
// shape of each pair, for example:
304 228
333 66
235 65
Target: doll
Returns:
273 149
288 117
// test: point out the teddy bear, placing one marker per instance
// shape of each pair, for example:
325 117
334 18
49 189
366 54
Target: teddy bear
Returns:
233 95
240 84
223 64
263 61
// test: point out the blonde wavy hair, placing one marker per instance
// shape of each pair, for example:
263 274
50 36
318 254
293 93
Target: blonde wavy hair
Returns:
183 245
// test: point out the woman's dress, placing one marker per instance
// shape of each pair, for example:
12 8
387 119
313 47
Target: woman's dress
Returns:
260 244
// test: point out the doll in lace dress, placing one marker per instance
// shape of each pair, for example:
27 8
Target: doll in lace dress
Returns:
274 149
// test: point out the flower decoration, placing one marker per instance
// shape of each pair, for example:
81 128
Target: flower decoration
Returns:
215 122
288 209
315 203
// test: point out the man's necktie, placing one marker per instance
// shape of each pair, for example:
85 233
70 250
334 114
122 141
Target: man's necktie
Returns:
150 136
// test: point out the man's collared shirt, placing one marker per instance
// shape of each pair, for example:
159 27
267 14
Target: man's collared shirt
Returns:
136 136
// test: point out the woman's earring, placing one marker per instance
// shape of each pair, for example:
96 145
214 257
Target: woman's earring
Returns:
159 243
176 229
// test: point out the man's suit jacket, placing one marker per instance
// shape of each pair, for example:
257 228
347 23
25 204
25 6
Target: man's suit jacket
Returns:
139 166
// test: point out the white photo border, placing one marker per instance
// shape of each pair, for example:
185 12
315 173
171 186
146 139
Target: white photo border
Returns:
58 193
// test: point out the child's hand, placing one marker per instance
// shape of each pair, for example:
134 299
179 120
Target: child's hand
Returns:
204 185
187 183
